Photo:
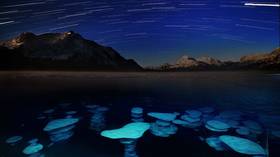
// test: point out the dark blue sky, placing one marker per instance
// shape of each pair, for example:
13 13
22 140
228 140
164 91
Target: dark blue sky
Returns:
153 31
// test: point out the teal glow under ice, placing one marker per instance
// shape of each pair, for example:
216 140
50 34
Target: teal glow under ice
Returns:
163 116
242 145
129 131
13 140
59 123
32 148
216 125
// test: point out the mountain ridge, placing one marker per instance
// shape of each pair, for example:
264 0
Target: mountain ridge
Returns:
265 61
61 50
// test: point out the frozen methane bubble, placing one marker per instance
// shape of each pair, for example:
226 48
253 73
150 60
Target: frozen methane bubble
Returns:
180 122
163 116
33 141
70 114
217 126
162 126
243 131
192 122
137 114
128 135
193 113
13 140
242 145
215 143
133 130
97 119
61 129
32 149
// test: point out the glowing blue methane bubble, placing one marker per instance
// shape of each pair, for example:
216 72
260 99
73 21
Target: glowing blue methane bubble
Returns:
163 116
217 126
163 131
13 140
243 131
137 110
232 123
180 122
128 136
33 141
242 145
97 120
190 119
193 113
59 123
61 129
32 149
191 122
253 126
129 131
215 143
137 114
162 126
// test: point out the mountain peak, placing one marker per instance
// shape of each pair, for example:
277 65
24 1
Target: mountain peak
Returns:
209 60
69 48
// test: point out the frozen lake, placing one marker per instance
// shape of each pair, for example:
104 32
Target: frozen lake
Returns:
30 100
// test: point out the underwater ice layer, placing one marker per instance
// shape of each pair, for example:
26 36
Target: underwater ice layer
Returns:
230 131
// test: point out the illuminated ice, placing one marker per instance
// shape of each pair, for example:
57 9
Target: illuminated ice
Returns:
163 131
60 123
215 143
61 129
131 131
242 145
33 141
70 114
137 114
190 119
193 113
243 131
163 116
32 148
232 123
13 140
97 119
128 136
217 126
180 122
162 126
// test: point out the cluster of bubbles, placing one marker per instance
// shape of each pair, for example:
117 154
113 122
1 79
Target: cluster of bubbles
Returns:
235 131
97 117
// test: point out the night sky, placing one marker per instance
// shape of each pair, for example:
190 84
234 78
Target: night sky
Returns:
153 31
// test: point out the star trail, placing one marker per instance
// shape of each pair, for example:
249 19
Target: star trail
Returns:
153 31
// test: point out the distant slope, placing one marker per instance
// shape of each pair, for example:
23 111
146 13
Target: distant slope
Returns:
66 50
267 61
262 61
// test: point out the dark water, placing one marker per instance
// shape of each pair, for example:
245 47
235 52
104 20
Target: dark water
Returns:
25 95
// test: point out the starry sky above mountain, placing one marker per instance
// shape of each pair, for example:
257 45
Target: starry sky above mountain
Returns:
153 31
